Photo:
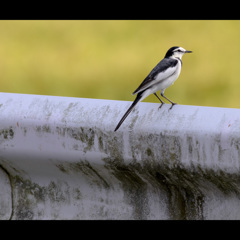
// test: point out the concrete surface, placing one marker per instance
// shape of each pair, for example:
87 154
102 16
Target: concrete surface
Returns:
61 159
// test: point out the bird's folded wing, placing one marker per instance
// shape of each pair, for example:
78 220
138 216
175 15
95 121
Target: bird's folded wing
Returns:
160 72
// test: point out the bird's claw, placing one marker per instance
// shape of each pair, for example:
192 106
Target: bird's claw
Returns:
160 105
172 106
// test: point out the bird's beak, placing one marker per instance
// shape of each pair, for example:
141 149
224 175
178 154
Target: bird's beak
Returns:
188 51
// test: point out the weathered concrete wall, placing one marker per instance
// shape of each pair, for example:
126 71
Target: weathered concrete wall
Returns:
61 159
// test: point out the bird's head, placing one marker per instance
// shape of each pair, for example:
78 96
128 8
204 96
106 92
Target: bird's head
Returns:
176 52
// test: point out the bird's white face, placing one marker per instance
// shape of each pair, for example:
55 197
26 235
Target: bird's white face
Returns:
178 53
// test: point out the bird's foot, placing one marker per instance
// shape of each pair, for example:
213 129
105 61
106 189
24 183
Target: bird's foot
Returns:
161 105
172 106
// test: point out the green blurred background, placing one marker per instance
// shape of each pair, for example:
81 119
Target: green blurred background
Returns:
108 59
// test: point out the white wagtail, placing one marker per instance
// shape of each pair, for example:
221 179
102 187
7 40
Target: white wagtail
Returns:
163 75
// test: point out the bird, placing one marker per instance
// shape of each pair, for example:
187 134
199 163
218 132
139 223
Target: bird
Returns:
163 75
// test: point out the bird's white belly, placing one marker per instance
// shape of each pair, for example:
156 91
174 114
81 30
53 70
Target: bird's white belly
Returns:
165 83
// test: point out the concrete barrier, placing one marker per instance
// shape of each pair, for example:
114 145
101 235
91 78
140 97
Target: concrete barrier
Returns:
61 159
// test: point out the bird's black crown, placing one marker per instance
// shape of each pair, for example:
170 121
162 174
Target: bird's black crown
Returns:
170 52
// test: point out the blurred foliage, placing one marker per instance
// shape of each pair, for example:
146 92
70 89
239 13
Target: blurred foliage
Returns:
108 59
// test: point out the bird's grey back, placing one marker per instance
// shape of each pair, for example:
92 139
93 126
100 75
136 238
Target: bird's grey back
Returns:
162 66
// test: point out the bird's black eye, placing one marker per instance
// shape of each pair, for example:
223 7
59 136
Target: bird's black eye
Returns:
179 50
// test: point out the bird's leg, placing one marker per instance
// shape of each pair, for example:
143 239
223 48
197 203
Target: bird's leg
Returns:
169 101
159 100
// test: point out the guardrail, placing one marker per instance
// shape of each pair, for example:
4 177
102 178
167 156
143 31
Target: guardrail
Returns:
61 159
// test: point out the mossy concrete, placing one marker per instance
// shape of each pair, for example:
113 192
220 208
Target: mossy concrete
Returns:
61 159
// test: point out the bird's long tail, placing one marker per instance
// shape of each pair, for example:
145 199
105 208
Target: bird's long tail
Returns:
137 99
